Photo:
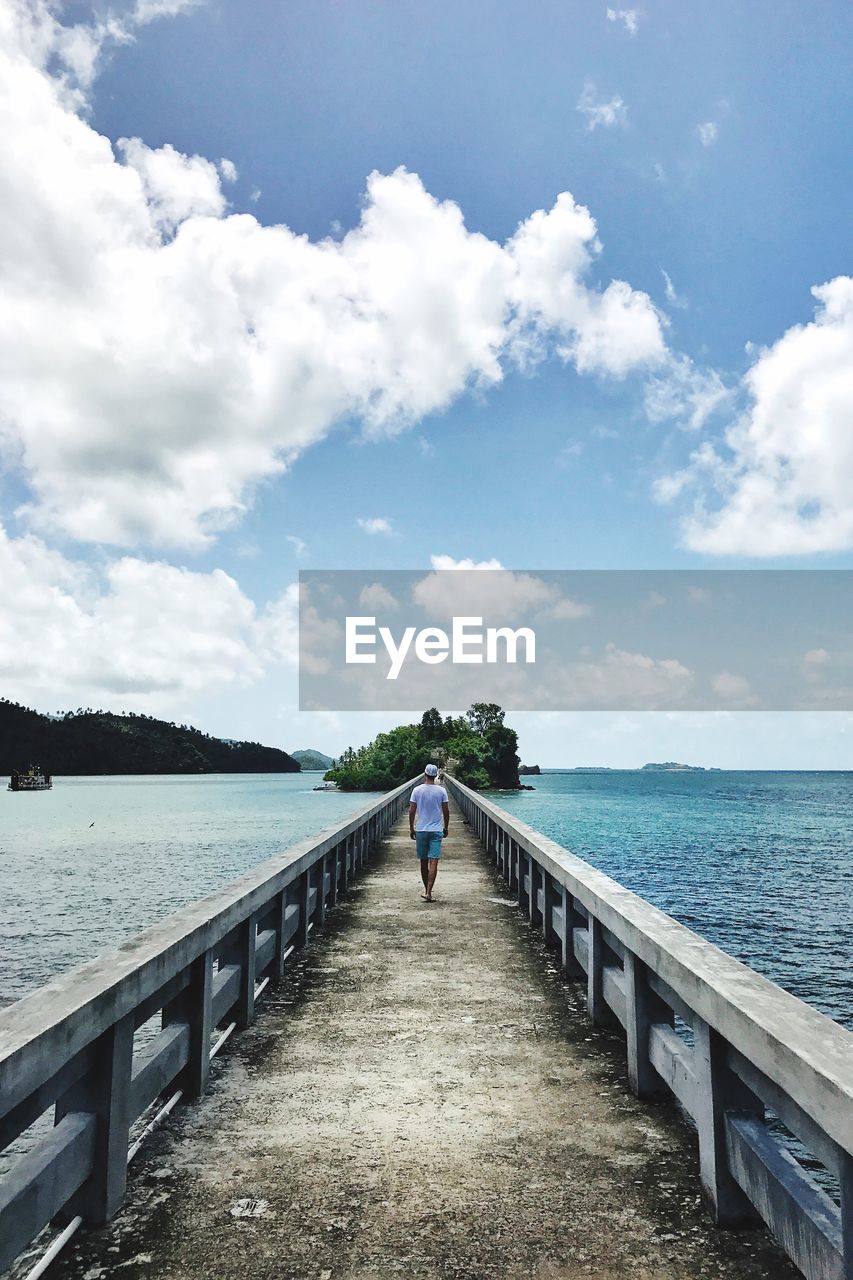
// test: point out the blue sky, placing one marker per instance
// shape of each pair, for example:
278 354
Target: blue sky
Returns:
709 428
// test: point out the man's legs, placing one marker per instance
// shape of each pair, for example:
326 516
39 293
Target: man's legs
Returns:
424 870
431 867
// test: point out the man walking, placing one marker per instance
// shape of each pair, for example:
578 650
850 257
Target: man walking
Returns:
429 819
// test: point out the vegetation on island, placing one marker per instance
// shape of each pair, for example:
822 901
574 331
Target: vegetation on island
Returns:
311 760
477 748
102 742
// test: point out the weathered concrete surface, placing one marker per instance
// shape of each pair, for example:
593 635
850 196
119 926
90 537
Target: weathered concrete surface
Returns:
423 1098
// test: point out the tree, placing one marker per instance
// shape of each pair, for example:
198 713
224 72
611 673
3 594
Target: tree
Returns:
483 716
432 726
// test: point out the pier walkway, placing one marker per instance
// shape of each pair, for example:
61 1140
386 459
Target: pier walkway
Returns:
422 1096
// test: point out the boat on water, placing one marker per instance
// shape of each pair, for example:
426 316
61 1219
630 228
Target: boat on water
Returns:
33 779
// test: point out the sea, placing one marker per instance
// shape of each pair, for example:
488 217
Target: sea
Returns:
759 863
90 863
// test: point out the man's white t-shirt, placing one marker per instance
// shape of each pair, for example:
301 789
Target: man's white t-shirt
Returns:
429 797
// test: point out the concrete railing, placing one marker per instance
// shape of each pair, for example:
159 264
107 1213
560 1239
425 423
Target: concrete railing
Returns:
751 1047
69 1047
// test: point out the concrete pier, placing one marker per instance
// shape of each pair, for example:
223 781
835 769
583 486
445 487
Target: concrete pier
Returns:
422 1096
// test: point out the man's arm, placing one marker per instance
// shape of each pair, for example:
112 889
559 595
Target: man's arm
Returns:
413 808
445 809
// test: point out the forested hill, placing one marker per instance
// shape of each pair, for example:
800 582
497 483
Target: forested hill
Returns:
101 742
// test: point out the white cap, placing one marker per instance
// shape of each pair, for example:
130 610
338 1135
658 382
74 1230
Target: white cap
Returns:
431 771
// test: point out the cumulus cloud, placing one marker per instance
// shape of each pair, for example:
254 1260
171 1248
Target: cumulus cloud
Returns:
629 19
377 598
160 356
781 481
603 112
622 678
499 595
707 133
139 630
734 691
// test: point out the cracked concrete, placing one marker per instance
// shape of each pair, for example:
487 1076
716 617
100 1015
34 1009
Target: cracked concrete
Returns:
423 1096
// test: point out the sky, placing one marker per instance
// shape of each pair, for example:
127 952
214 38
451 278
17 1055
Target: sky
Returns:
340 284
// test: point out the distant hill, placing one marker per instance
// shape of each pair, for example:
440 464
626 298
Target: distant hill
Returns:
313 759
101 742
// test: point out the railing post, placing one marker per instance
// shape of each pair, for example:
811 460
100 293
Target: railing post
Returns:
845 1178
519 874
533 890
549 898
193 1006
303 897
280 926
321 891
104 1091
243 954
346 868
571 964
718 1091
335 867
642 1008
595 1002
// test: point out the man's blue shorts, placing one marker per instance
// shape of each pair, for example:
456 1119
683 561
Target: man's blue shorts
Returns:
428 844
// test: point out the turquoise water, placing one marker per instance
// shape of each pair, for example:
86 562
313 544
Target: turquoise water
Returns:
759 863
97 859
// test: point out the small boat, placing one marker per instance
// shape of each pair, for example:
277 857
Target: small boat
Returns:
33 780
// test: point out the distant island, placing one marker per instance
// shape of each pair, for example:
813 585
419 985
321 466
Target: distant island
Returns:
102 742
666 766
672 766
313 761
528 770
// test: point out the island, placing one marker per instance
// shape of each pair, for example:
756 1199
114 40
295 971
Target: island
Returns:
86 742
672 766
313 761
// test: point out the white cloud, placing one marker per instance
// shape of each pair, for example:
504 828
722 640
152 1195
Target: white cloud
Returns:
300 546
150 10
176 187
605 113
734 691
499 595
377 598
141 630
674 299
228 169
447 562
781 483
375 524
608 333
629 18
816 657
679 390
159 358
620 678
707 133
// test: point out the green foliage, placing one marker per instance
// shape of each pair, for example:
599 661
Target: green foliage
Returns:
95 742
478 749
